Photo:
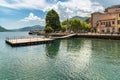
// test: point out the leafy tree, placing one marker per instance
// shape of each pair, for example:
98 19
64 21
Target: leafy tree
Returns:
77 25
64 22
63 28
87 20
52 19
48 29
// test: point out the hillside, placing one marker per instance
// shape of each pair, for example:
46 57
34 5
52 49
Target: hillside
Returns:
28 28
2 29
82 18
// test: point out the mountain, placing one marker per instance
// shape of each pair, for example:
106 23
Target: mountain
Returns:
36 27
87 20
82 18
2 29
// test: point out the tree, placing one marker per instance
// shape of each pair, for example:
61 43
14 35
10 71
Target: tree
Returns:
48 29
52 19
63 28
87 20
77 25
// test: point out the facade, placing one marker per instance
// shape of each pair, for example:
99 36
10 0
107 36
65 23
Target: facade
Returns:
107 22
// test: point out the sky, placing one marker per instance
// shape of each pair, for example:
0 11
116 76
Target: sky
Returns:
21 13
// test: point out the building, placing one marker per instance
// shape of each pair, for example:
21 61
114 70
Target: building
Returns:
108 21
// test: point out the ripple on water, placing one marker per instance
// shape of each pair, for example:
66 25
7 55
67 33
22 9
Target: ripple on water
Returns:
72 59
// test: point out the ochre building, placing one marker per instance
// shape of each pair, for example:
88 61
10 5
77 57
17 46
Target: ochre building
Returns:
108 21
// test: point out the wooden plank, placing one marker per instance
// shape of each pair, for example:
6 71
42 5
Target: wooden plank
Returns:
33 41
29 41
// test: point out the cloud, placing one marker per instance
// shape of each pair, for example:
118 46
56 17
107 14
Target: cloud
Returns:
28 4
31 17
34 19
65 9
107 3
75 8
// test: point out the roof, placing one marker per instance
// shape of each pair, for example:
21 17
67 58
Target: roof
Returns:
97 13
108 17
114 6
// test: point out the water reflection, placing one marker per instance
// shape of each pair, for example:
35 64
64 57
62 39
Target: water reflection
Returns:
52 49
72 59
75 58
108 49
84 54
73 45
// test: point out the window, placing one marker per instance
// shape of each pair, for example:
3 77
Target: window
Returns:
108 24
113 22
119 15
104 23
118 21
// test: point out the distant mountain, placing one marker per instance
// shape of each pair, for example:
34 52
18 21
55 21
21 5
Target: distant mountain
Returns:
87 20
82 18
36 27
2 29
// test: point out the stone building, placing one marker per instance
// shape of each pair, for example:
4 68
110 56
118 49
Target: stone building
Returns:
108 21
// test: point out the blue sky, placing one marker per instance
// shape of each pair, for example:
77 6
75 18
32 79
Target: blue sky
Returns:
21 13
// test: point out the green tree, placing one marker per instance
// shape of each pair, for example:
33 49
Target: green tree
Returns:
52 19
87 20
77 25
48 29
63 28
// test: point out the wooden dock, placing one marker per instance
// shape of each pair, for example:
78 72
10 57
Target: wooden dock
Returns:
66 36
28 41
33 41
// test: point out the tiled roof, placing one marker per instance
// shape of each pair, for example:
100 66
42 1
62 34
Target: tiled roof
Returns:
114 6
97 13
108 17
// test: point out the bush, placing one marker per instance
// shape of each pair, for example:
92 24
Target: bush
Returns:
63 28
48 29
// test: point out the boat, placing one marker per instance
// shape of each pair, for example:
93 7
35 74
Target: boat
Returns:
33 32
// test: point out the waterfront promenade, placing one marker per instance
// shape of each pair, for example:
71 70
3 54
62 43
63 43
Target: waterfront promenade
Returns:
35 41
14 42
99 36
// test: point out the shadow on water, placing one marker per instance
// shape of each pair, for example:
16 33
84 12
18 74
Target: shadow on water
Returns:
52 49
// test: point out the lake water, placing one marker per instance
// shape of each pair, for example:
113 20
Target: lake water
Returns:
69 59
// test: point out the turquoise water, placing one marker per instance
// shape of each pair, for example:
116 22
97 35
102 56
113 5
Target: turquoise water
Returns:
69 59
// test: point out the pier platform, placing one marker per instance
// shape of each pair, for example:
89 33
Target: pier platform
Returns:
35 41
15 42
28 41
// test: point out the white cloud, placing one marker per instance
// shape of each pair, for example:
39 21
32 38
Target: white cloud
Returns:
66 9
28 4
31 17
34 19
75 8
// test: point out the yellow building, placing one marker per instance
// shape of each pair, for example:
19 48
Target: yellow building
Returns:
107 22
